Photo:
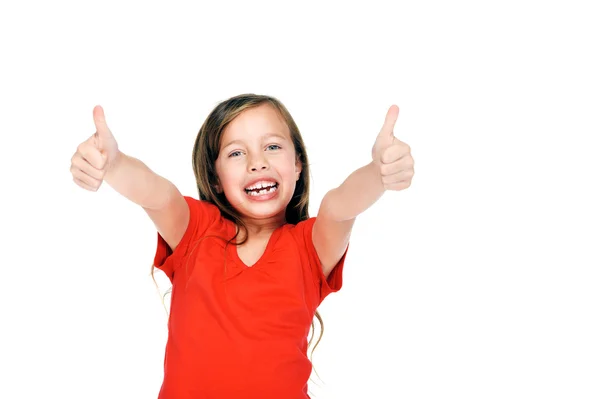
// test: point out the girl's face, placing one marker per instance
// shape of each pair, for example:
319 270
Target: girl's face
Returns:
257 164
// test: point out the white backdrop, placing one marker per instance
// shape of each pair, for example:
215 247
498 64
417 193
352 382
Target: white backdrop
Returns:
479 281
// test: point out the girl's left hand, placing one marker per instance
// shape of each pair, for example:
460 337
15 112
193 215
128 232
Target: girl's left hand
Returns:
392 156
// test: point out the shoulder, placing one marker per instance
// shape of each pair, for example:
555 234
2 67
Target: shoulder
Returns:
202 207
302 234
301 230
203 215
299 236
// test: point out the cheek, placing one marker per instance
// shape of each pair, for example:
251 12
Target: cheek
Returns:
229 180
287 170
226 175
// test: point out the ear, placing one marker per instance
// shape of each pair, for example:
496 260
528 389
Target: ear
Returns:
298 168
218 188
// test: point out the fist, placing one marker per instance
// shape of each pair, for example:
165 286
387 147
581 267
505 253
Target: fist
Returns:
94 156
391 156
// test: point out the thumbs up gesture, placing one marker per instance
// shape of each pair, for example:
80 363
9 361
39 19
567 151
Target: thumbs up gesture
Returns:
95 156
392 156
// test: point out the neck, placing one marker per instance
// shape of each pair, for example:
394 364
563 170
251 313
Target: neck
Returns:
258 228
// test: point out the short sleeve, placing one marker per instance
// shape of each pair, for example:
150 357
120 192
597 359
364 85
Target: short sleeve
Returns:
333 282
202 214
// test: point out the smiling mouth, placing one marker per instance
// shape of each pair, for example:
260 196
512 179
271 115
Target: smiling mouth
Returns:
262 191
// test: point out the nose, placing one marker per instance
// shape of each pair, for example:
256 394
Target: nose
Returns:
257 162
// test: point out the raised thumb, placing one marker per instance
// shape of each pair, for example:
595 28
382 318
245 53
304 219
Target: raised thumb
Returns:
390 121
101 126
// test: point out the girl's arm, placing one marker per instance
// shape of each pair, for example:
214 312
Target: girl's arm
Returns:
391 169
134 180
99 159
160 198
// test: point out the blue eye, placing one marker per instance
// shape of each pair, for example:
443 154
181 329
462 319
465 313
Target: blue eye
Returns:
274 145
235 152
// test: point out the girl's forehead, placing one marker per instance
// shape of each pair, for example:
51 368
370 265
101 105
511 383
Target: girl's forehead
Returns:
261 116
255 123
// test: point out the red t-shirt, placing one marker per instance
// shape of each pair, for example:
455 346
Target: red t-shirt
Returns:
237 331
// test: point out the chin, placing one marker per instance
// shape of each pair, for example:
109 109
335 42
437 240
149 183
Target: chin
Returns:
261 211
265 210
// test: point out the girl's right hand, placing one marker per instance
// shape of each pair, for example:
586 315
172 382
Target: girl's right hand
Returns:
95 156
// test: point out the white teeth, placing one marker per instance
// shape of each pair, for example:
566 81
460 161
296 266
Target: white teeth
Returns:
261 184
262 192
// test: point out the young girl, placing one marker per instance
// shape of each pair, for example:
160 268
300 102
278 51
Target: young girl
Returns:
248 266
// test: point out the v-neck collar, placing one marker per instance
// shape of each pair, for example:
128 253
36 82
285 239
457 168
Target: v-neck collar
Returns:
232 248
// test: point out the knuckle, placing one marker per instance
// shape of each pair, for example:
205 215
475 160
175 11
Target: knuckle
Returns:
387 169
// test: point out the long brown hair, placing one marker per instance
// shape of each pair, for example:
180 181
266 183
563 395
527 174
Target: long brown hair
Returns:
206 151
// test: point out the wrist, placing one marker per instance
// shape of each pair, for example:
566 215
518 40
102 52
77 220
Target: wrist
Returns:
113 164
374 169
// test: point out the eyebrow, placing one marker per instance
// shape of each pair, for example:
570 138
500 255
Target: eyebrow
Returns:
266 136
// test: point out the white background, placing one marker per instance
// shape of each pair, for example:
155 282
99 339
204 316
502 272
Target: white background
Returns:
479 281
